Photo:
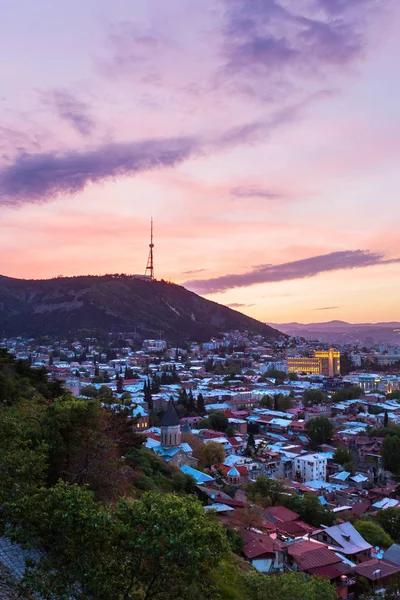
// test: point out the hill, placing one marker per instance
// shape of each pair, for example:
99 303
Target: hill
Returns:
342 332
98 305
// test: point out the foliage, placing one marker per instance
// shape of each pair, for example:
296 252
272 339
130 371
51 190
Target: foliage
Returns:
95 552
265 491
218 420
389 519
344 457
373 533
390 452
319 430
309 509
348 393
210 454
24 455
290 586
314 397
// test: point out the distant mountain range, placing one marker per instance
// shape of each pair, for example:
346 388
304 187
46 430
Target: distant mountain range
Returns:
99 305
343 332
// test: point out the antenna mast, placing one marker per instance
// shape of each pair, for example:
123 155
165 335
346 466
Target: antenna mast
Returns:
150 261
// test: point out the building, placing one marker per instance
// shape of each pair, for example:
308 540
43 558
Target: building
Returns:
310 467
330 361
310 366
324 362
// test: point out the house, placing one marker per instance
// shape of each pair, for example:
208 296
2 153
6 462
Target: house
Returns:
345 539
310 467
377 572
265 554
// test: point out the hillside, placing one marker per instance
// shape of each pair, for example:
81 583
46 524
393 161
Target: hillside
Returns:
98 305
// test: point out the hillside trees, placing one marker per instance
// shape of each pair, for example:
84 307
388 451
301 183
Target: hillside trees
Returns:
97 552
290 586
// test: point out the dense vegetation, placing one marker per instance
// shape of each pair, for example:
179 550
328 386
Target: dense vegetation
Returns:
112 521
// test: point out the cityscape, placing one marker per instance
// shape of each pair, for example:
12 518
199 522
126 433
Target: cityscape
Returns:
199 300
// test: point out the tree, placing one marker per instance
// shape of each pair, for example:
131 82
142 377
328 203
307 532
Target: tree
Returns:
210 454
309 509
105 394
265 491
373 533
344 457
314 397
386 419
218 420
348 393
89 391
24 456
191 407
148 395
200 405
120 385
96 552
230 432
319 430
266 402
289 586
389 519
390 452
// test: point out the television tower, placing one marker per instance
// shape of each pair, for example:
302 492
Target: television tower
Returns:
150 261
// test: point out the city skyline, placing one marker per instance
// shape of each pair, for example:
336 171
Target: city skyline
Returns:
262 137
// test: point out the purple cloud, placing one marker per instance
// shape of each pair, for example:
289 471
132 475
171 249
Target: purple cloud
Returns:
42 176
299 269
238 305
71 110
253 192
326 308
276 38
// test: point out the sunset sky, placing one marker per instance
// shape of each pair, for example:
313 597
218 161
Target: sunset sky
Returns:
263 137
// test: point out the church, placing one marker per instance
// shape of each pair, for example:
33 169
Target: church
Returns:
170 447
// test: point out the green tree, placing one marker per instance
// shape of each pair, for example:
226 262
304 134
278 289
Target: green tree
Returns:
373 533
89 391
309 509
218 420
344 457
265 491
319 430
96 552
348 393
200 405
389 519
210 454
390 452
290 586
24 456
266 401
314 397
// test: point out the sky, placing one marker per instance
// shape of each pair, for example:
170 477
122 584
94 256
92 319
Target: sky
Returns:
262 136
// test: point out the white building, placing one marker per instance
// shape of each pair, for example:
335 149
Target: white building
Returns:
311 467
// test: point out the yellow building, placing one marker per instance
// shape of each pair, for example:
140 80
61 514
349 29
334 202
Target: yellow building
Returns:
330 361
324 362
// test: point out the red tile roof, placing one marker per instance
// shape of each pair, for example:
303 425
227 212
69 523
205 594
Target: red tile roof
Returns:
370 568
296 548
320 557
282 514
